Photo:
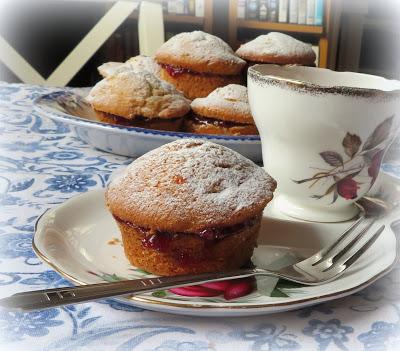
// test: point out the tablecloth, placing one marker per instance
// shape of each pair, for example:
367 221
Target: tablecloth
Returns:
42 164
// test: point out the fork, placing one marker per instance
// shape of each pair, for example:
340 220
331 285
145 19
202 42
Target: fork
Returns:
324 266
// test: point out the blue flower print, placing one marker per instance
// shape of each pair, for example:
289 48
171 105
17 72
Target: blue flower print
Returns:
267 337
380 332
70 182
326 332
25 147
64 155
174 345
48 279
15 325
16 245
6 92
307 311
116 305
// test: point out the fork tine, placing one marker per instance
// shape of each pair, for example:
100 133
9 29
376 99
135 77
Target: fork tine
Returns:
352 254
330 250
353 242
365 247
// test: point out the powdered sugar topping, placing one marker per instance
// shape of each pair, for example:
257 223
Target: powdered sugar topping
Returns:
275 44
200 46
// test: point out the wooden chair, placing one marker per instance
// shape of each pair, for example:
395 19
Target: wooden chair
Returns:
151 36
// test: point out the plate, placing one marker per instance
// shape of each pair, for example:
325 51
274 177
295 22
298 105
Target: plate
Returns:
70 108
81 241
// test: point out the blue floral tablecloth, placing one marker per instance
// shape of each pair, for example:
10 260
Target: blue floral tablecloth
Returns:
42 163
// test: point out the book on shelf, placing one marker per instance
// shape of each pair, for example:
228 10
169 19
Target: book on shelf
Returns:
263 10
319 12
171 7
293 11
310 12
184 7
306 12
302 8
191 7
283 11
252 9
241 9
199 8
272 10
180 7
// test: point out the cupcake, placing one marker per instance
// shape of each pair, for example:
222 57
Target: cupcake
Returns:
225 111
197 63
277 48
189 206
140 99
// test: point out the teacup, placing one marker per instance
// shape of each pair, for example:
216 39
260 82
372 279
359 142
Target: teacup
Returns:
323 135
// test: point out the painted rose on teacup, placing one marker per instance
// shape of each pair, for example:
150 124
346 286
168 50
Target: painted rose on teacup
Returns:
324 135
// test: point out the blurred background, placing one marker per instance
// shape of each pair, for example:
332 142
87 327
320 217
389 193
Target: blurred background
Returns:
61 42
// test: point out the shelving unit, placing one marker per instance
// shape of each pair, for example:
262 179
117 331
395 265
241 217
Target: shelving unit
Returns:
205 23
282 27
320 32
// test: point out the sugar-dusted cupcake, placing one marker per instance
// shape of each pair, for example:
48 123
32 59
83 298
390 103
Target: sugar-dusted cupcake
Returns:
277 48
190 206
225 111
197 63
136 63
138 99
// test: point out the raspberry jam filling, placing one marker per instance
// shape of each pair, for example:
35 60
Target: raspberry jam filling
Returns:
160 240
175 71
215 122
137 120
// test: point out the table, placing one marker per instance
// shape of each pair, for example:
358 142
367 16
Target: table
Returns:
42 164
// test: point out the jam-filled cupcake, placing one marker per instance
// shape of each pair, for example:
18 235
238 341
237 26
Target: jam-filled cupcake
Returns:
140 99
277 48
225 111
136 63
197 63
189 206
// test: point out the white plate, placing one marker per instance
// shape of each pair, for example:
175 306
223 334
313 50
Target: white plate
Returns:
74 239
70 108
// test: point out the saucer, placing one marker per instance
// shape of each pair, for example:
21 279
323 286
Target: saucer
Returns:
80 240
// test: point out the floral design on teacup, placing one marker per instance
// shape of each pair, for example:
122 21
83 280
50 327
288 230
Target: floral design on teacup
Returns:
345 168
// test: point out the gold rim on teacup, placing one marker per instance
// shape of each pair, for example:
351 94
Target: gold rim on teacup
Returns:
282 76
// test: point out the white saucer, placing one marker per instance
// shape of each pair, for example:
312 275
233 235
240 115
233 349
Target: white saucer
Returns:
76 238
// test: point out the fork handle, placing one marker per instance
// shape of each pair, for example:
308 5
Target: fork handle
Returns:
47 298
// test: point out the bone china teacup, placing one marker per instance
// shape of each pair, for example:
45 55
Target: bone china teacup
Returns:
323 135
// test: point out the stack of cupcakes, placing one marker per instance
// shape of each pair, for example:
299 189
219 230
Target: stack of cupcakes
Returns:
155 92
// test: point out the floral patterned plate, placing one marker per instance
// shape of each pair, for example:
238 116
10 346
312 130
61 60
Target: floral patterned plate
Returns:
81 241
70 108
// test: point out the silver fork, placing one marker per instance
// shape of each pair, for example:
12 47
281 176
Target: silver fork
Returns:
325 265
